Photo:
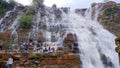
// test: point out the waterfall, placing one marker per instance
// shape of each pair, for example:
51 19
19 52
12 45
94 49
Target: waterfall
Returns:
96 44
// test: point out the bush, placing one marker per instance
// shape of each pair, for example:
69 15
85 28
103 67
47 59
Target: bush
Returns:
25 21
110 11
1 60
2 10
53 55
30 10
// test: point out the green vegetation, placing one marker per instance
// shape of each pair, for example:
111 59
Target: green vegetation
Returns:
2 10
26 20
5 6
37 3
6 45
54 55
1 60
110 11
30 10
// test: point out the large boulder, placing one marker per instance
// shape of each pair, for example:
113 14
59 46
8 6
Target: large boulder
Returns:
69 39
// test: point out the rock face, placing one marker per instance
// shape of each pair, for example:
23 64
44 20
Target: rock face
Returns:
70 43
109 17
5 36
117 41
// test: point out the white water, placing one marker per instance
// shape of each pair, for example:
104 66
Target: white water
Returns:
3 26
95 43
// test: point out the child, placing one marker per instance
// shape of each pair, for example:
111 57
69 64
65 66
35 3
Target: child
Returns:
10 62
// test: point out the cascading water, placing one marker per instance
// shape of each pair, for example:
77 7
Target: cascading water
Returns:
96 45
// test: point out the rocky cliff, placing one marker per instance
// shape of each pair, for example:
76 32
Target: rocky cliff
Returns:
109 17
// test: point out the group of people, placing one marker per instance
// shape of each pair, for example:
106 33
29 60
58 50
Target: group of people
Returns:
44 47
49 48
26 45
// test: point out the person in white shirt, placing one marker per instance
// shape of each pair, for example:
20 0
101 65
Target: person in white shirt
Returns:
10 62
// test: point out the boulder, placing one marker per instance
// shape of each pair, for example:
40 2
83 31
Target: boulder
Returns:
69 42
69 39
40 37
117 41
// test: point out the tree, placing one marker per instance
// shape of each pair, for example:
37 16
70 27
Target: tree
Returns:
37 3
25 21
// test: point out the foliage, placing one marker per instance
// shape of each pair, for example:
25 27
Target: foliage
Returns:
110 11
53 55
37 3
2 10
4 6
33 55
30 10
7 5
1 60
6 45
12 3
25 21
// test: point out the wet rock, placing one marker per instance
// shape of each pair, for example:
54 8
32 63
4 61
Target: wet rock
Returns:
5 36
106 61
117 49
58 13
40 37
80 11
71 44
22 35
65 9
69 39
42 12
54 6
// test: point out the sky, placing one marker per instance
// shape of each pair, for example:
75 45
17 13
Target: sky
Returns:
66 3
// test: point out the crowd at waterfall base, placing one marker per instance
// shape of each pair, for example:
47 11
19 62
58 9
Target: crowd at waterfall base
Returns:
30 54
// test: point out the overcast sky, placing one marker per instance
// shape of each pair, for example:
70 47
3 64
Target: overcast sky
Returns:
66 3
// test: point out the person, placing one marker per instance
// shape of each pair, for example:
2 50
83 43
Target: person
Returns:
52 48
1 44
49 49
10 62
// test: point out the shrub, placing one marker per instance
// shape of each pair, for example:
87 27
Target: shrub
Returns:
53 55
2 10
30 10
1 60
25 21
110 11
